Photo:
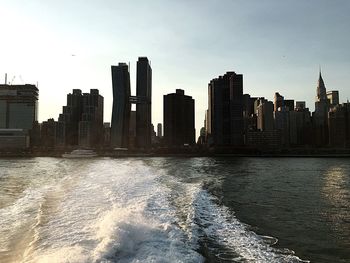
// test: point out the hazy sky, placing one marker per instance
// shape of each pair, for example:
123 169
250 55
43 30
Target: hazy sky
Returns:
276 45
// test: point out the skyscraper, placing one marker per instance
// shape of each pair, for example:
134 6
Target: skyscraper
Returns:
225 110
81 122
91 123
319 118
178 119
144 103
18 106
121 106
264 114
278 101
69 119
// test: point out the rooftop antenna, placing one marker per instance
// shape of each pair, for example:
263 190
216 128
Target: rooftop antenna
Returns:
5 78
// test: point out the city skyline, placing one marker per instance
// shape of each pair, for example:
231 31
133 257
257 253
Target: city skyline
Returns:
71 46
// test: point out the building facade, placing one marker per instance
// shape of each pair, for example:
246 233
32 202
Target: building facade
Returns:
320 116
18 106
122 100
339 125
144 103
81 121
225 110
121 106
179 120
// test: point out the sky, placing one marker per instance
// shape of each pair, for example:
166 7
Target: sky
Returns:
278 46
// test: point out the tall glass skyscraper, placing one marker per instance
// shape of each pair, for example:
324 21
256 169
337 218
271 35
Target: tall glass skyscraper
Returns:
122 100
121 106
144 104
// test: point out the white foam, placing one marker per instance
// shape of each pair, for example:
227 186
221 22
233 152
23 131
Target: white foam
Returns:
221 226
126 211
116 214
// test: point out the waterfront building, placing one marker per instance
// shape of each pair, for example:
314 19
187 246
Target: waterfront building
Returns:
18 106
122 100
91 122
225 111
304 128
339 125
281 118
81 122
48 133
70 118
267 139
144 104
13 139
179 120
121 106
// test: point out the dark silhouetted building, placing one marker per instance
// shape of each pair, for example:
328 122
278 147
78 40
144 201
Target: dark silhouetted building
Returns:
144 104
81 122
225 112
121 106
268 139
339 125
48 133
18 106
122 100
91 122
179 128
300 105
289 104
281 117
70 118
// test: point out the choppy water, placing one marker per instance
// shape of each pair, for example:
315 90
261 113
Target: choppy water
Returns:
174 210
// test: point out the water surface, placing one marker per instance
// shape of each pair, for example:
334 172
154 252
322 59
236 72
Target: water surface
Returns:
174 210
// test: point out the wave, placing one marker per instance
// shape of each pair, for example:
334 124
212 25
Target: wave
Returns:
129 211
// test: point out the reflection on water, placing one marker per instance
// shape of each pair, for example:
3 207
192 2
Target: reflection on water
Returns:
336 190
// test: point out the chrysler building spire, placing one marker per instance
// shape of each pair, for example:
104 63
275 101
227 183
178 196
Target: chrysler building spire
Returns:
321 89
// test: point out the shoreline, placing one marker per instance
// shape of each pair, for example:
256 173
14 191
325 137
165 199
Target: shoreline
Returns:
296 154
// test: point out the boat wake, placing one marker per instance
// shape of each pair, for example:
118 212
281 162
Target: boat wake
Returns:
126 210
